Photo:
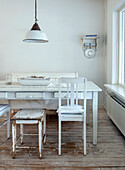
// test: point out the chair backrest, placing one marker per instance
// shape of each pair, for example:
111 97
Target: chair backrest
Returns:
73 87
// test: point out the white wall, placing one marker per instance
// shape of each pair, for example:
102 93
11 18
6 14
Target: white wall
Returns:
64 21
112 40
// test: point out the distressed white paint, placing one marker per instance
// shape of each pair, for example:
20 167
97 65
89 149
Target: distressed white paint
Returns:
21 133
91 87
40 138
13 138
5 109
27 117
44 128
29 114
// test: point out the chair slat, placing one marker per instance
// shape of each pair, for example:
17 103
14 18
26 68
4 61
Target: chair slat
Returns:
68 94
72 94
76 93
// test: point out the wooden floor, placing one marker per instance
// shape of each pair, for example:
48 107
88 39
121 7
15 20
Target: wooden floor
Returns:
108 154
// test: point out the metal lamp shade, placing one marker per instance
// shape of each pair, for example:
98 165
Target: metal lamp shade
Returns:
35 36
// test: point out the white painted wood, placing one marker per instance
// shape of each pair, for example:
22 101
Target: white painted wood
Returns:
84 117
70 118
117 89
29 116
4 123
15 135
44 128
27 122
16 87
80 95
21 133
13 138
87 110
38 103
59 145
95 116
8 124
71 111
29 95
47 95
40 139
117 113
5 109
10 95
3 95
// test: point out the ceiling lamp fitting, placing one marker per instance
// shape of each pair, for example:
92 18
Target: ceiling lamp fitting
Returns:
35 35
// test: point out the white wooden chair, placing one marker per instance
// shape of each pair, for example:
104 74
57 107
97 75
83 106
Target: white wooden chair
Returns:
5 109
29 117
72 111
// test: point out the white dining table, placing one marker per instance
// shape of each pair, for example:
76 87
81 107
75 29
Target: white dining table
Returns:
17 92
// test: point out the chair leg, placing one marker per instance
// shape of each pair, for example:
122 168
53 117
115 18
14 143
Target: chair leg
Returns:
21 133
13 139
83 130
59 137
8 125
84 135
44 129
40 139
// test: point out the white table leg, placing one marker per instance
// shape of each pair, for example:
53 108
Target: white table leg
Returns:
59 137
87 110
40 139
95 116
8 124
13 139
44 129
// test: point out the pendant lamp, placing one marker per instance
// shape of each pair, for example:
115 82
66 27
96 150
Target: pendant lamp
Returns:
35 35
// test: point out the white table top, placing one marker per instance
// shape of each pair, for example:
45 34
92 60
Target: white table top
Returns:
51 87
117 89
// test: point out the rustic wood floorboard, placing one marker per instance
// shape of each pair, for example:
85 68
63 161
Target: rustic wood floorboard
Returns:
109 154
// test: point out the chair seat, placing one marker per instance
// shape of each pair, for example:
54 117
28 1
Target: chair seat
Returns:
30 114
3 106
71 109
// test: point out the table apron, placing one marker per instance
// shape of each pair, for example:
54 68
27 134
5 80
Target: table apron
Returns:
38 95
